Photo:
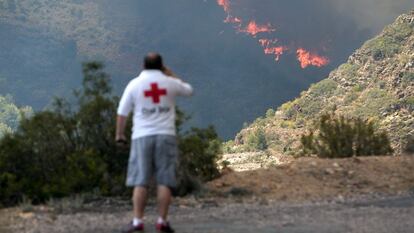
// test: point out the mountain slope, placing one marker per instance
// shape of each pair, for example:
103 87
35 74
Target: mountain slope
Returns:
377 82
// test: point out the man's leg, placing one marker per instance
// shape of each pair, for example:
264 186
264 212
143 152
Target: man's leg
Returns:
165 163
139 200
164 201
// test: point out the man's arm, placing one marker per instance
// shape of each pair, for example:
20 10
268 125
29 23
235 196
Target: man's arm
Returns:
120 128
182 87
167 71
124 108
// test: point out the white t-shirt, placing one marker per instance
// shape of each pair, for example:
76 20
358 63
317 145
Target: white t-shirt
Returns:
151 96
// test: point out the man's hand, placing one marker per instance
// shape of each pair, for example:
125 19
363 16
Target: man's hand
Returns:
121 140
167 71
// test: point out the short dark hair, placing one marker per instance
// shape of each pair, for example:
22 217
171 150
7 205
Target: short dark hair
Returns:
153 61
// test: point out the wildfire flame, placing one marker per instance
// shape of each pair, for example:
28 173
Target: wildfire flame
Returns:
225 4
231 19
306 59
253 28
270 46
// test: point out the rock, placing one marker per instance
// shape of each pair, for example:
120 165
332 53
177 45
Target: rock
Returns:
329 171
357 160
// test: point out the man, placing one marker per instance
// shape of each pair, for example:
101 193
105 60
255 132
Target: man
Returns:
151 97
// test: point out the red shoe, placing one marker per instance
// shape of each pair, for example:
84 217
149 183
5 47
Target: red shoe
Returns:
164 227
131 228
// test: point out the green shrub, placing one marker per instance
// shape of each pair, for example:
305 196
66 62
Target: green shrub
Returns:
324 88
409 146
372 102
389 44
200 150
228 147
257 140
337 137
348 70
408 103
10 114
288 124
288 109
4 129
310 107
408 78
270 113
351 97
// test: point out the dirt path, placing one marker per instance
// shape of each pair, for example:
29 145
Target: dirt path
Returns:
379 215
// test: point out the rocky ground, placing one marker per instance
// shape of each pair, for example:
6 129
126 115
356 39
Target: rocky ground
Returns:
368 214
306 195
313 179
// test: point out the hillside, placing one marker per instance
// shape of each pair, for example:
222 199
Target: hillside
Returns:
72 19
376 83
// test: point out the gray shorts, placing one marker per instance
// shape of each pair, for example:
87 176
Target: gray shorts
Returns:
153 155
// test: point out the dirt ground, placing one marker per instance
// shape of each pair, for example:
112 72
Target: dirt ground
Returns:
308 195
314 179
360 215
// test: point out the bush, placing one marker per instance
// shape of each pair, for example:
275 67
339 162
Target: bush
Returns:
4 129
10 114
288 109
339 137
389 44
257 140
270 113
324 88
373 102
409 146
408 78
70 149
349 70
199 153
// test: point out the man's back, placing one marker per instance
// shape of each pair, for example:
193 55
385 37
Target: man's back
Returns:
151 96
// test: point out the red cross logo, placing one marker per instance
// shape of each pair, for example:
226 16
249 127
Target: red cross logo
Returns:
155 93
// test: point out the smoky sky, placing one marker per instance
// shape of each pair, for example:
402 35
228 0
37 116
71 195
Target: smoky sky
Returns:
234 81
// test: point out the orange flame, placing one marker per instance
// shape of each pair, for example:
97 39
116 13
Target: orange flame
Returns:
253 28
269 48
306 59
231 19
225 4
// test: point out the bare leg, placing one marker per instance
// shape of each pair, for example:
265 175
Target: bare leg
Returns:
139 200
164 200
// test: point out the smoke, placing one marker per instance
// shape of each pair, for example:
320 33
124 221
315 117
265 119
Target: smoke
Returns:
227 49
372 14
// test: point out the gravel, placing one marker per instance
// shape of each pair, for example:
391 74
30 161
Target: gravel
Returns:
366 214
